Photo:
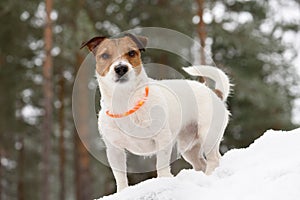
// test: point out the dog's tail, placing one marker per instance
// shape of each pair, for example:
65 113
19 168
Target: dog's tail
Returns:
221 79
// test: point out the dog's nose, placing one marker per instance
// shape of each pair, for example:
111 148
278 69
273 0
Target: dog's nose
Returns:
121 69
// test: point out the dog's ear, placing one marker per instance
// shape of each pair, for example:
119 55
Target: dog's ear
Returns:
140 41
144 41
93 43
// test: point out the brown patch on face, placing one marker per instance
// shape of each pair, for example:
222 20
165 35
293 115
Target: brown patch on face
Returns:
135 61
219 93
131 53
133 57
104 56
111 50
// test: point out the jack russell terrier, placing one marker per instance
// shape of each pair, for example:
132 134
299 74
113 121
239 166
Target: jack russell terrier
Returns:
148 117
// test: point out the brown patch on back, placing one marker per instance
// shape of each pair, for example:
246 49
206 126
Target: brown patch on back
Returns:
219 93
201 79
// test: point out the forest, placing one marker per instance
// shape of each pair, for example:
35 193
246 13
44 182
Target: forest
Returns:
41 153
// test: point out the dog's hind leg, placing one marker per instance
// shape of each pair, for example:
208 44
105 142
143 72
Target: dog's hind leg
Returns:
195 157
117 160
189 145
213 141
212 158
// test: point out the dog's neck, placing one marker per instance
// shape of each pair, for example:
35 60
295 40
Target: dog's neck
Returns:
122 97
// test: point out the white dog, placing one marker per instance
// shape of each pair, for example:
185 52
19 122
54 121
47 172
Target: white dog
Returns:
148 117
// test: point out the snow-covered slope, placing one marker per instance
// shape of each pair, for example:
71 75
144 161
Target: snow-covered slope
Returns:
269 169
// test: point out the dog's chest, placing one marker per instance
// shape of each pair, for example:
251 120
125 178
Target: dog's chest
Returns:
131 141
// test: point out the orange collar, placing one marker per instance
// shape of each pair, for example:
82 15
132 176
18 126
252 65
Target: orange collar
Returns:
135 108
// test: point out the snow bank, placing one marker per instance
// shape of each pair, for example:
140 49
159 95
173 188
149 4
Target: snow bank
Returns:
268 169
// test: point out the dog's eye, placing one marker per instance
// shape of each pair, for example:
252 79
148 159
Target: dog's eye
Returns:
105 56
132 53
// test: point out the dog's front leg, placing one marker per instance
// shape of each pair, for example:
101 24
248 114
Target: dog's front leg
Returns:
117 160
163 162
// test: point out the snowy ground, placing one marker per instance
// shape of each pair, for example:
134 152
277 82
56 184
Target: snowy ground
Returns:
269 169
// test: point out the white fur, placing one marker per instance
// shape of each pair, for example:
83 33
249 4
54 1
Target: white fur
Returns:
222 81
172 112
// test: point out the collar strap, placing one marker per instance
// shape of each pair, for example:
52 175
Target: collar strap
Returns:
137 106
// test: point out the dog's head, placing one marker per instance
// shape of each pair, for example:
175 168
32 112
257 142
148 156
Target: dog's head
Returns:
118 60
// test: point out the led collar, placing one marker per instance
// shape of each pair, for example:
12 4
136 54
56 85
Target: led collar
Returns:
137 106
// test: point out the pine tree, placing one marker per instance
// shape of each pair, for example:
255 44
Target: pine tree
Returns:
47 128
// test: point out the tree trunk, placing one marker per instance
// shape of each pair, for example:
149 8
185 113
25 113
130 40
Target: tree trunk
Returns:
82 159
82 169
62 153
202 36
1 174
48 99
21 160
201 31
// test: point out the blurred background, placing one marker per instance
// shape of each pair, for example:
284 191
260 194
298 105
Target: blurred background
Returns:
41 157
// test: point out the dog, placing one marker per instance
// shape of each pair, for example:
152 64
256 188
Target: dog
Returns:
148 117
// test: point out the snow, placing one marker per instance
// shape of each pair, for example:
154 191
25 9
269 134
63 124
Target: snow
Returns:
268 169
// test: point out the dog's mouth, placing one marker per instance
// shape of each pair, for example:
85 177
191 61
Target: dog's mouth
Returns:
121 79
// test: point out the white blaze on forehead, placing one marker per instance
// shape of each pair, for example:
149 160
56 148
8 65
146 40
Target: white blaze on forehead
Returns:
121 62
